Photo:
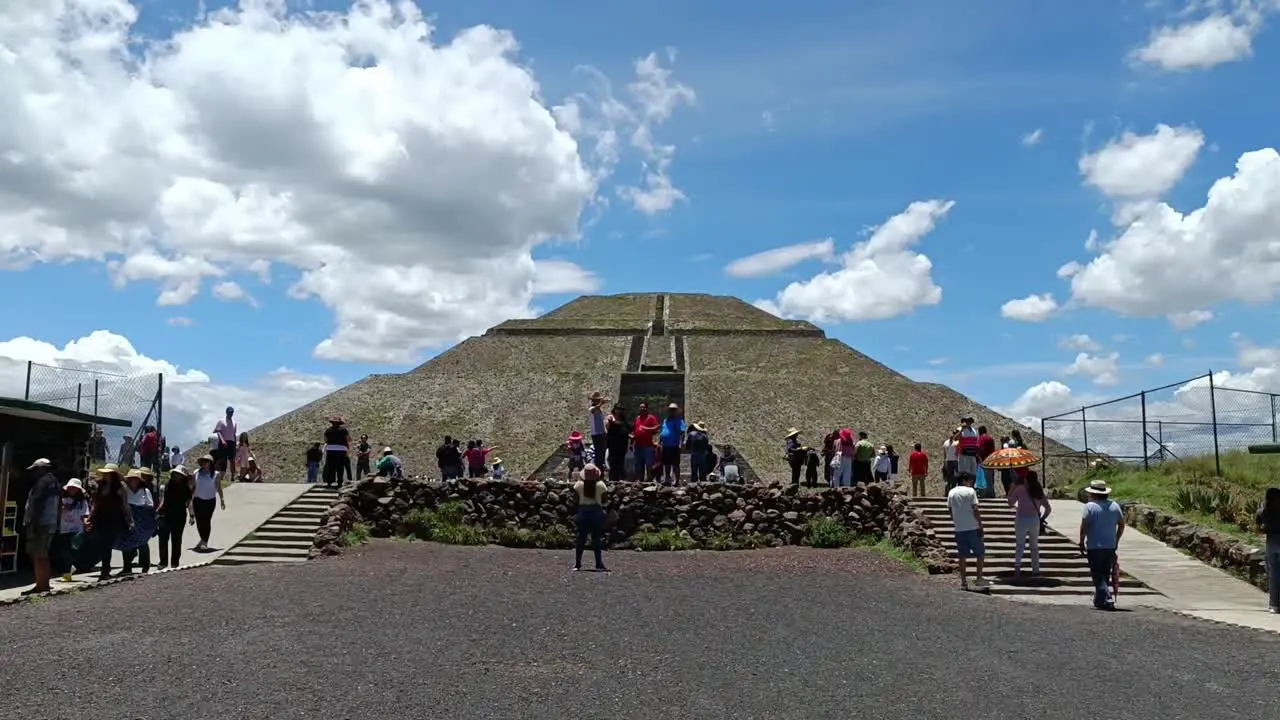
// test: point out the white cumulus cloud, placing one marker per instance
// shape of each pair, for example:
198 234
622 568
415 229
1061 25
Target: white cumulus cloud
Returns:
879 278
329 142
193 401
1033 138
1033 308
776 260
1136 166
1079 342
1101 369
1165 262
1221 37
1182 321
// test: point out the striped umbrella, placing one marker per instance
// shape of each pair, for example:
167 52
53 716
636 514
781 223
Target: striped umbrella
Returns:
1011 458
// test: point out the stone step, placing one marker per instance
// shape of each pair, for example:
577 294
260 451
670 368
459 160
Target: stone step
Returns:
310 504
269 533
990 542
248 548
301 514
232 558
272 544
307 521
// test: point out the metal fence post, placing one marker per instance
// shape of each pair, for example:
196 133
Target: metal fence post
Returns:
159 405
79 392
26 394
1084 424
1044 460
1274 436
95 398
1145 453
1160 429
1213 412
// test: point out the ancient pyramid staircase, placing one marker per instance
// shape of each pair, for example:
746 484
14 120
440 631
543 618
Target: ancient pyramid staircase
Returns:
287 536
1064 573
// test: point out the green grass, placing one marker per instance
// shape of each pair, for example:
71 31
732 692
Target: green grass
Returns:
1190 488
662 540
885 546
824 531
357 535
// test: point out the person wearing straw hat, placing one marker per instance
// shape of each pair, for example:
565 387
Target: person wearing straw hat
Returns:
699 444
206 495
75 507
171 515
590 516
135 544
671 441
337 452
109 516
1101 527
596 426
499 472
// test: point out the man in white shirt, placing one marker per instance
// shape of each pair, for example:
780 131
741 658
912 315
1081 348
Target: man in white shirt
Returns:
962 501
176 458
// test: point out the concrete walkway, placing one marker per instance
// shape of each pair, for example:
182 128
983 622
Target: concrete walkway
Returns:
1189 586
248 506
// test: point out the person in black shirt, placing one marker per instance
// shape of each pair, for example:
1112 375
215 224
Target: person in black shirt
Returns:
337 449
363 448
171 515
315 456
449 459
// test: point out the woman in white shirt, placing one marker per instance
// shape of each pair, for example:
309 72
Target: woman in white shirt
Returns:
75 507
143 508
206 496
590 516
949 459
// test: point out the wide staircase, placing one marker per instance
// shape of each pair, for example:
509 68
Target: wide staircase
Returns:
1063 572
287 536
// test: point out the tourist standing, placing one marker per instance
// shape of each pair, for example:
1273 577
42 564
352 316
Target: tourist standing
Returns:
75 507
1269 519
364 452
918 468
617 432
794 453
142 508
642 435
337 447
598 427
1101 527
967 457
1031 510
314 457
986 446
149 448
176 458
883 466
672 439
949 449
847 451
966 518
828 456
40 516
171 515
863 455
109 515
590 517
205 498
225 453
699 445
576 449
243 455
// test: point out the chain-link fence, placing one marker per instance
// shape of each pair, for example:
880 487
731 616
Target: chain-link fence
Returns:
137 398
1192 418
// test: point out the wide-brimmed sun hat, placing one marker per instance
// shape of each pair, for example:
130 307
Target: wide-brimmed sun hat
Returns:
133 474
591 472
699 427
1098 487
146 471
673 406
74 483
179 470
109 468
205 458
575 436
598 398
496 461
42 462
791 433
336 420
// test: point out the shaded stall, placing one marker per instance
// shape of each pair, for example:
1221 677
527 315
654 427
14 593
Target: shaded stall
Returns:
31 430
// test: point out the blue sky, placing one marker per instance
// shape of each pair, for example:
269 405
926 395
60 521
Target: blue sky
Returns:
812 120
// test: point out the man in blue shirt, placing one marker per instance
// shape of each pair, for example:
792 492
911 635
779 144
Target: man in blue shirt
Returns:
1101 526
672 439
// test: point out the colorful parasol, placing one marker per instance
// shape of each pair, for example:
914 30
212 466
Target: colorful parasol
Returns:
1011 458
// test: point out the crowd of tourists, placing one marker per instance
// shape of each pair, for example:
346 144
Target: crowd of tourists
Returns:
75 526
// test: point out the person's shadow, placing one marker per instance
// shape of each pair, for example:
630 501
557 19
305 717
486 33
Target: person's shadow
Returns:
203 551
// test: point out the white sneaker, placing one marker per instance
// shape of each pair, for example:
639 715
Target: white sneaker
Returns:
1274 610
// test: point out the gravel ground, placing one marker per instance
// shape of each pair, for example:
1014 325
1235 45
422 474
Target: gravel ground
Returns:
401 630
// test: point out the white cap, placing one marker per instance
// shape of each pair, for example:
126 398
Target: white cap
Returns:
42 462
386 450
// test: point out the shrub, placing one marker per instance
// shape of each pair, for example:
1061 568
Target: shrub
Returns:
662 540
726 541
419 524
825 531
450 513
460 535
357 535
553 538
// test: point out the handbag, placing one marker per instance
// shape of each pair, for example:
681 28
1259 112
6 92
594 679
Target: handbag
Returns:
981 482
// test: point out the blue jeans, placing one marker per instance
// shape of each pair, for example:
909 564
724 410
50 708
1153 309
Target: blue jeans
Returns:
697 467
1100 563
313 472
590 522
644 459
969 544
1273 576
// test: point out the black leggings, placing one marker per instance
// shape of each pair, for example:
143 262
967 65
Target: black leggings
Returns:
336 462
617 464
106 540
203 510
170 535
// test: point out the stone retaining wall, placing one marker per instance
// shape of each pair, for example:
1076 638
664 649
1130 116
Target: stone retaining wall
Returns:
1206 544
775 515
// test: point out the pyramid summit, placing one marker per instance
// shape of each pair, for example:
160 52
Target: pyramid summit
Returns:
524 385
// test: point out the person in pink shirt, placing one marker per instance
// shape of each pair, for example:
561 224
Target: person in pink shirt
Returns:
225 454
1031 505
